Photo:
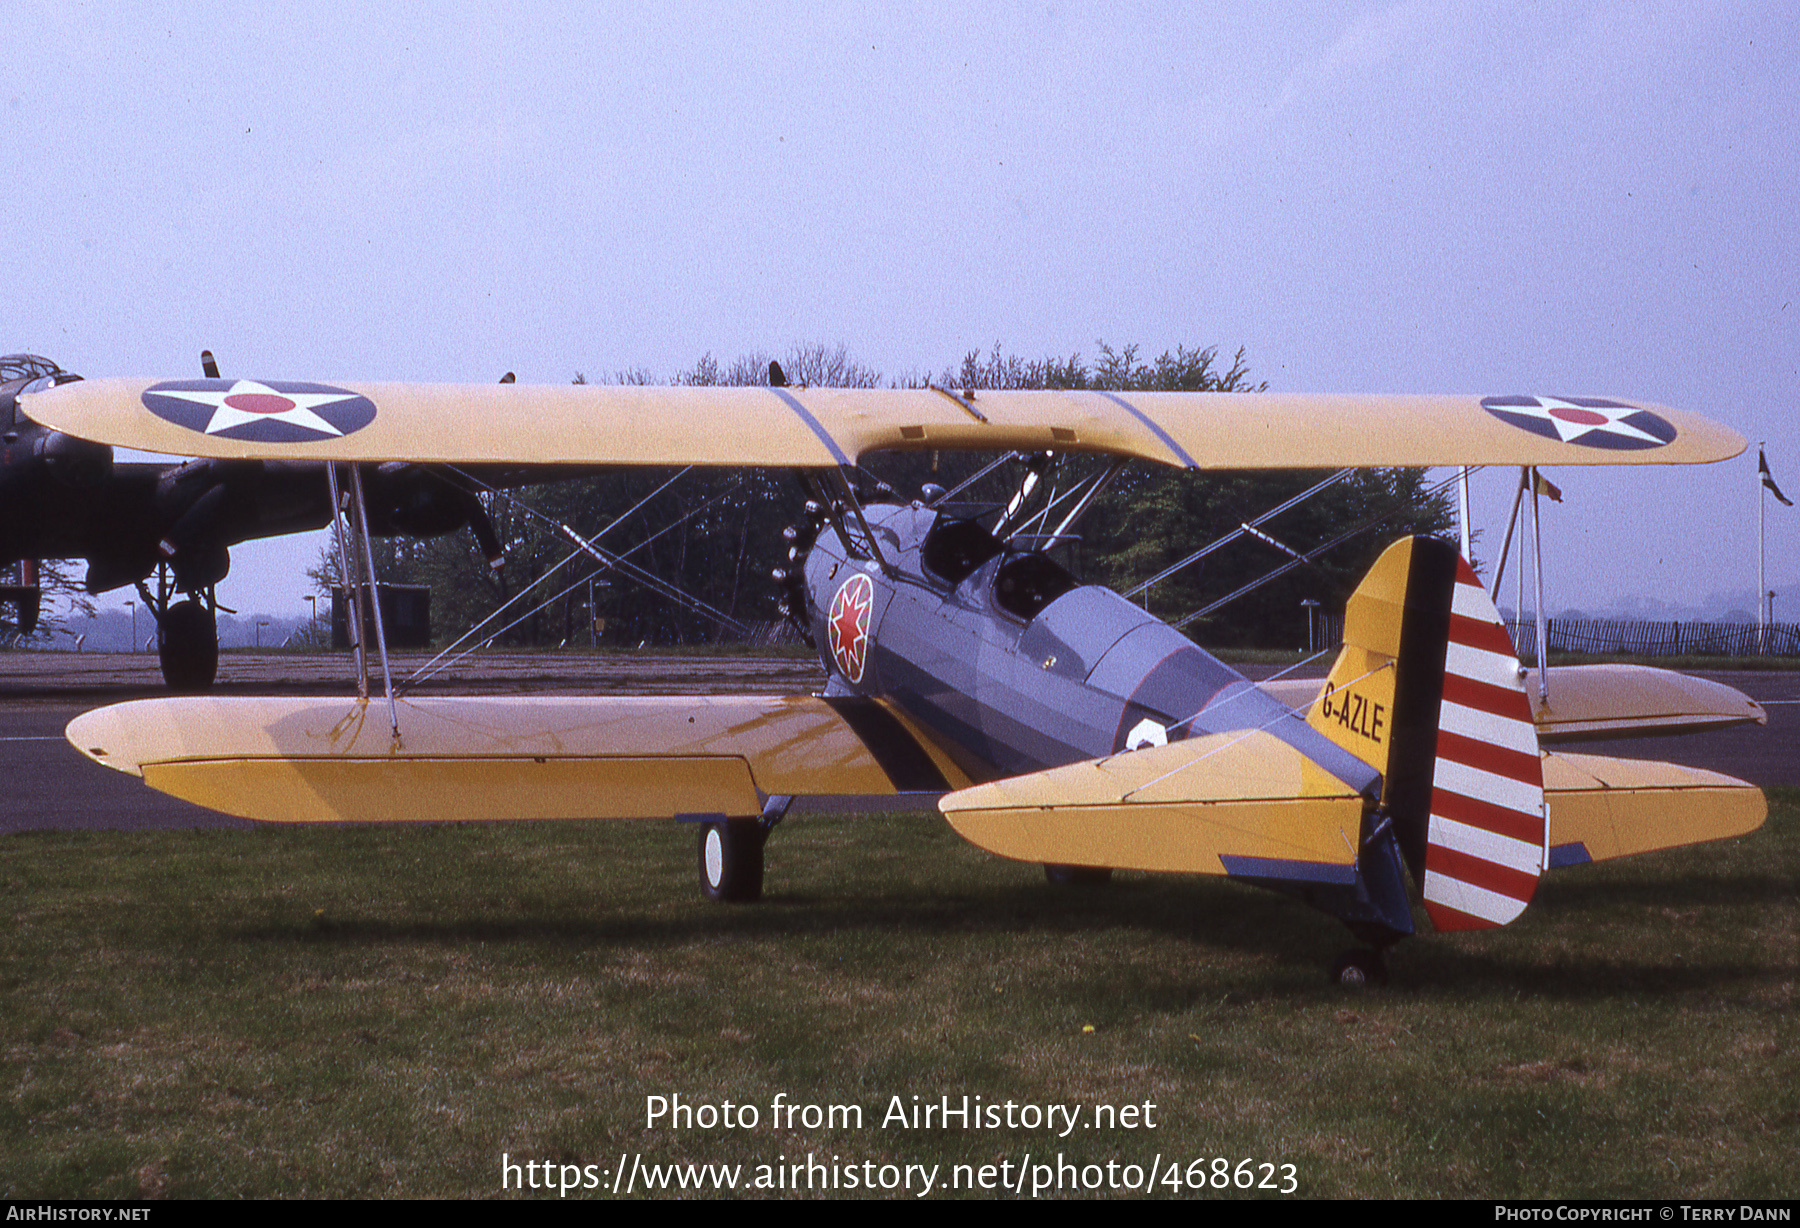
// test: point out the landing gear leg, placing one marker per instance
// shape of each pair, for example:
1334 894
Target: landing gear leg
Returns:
187 637
187 644
731 854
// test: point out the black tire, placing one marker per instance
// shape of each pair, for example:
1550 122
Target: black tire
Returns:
1359 969
187 644
1078 876
731 861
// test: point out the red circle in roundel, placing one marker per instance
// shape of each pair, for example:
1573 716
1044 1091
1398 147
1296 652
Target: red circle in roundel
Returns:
260 403
848 626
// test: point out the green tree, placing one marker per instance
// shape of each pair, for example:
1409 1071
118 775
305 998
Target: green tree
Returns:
713 534
1152 517
57 584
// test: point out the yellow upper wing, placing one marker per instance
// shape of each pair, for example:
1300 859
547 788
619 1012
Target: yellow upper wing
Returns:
632 425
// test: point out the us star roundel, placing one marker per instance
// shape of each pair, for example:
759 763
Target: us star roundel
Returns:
848 625
260 412
1591 422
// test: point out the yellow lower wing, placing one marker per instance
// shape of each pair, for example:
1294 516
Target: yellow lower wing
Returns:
305 760
1241 803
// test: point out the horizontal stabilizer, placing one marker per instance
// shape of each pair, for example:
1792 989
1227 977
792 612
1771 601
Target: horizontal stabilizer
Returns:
1601 808
1243 804
1590 702
301 760
1634 701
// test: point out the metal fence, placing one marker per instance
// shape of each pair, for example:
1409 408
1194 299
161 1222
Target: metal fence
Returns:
770 634
1659 639
1592 635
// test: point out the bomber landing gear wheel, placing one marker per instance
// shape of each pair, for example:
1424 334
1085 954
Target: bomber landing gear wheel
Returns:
731 861
1359 968
187 643
1078 876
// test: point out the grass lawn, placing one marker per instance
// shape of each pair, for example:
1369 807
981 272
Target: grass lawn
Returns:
387 1011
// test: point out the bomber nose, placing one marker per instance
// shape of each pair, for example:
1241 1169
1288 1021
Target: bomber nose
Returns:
79 462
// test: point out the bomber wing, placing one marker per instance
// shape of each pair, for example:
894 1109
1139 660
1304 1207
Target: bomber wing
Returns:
589 424
307 760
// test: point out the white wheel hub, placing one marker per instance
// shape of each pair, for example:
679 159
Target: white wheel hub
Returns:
715 858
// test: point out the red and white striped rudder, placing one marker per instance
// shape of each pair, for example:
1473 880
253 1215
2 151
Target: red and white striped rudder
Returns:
1485 841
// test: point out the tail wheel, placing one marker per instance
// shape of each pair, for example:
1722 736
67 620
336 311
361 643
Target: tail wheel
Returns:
731 861
187 643
1359 968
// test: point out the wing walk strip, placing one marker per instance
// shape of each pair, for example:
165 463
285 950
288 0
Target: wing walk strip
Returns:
1485 842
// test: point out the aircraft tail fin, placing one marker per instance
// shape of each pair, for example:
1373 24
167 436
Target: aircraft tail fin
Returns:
1427 690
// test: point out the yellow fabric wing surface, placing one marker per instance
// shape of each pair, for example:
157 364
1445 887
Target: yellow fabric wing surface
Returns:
1186 807
318 760
633 425
1606 701
1617 807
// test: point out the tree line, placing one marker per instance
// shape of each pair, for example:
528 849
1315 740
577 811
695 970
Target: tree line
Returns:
714 534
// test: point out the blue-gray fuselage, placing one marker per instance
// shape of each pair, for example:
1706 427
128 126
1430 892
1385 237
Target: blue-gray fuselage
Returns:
1012 663
1013 667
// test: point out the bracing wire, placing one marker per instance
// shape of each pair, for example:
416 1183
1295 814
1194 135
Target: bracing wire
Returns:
583 546
1310 555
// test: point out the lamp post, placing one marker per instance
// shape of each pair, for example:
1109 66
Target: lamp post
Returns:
1312 609
133 606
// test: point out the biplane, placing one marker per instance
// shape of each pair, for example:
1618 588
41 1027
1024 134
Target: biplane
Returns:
1057 722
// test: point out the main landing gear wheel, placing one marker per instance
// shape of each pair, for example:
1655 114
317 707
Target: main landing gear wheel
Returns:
1355 969
187 643
731 861
1078 876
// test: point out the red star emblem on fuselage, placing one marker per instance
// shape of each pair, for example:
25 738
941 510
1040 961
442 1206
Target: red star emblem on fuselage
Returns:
848 625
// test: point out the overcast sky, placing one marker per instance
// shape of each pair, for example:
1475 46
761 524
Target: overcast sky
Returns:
1578 198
